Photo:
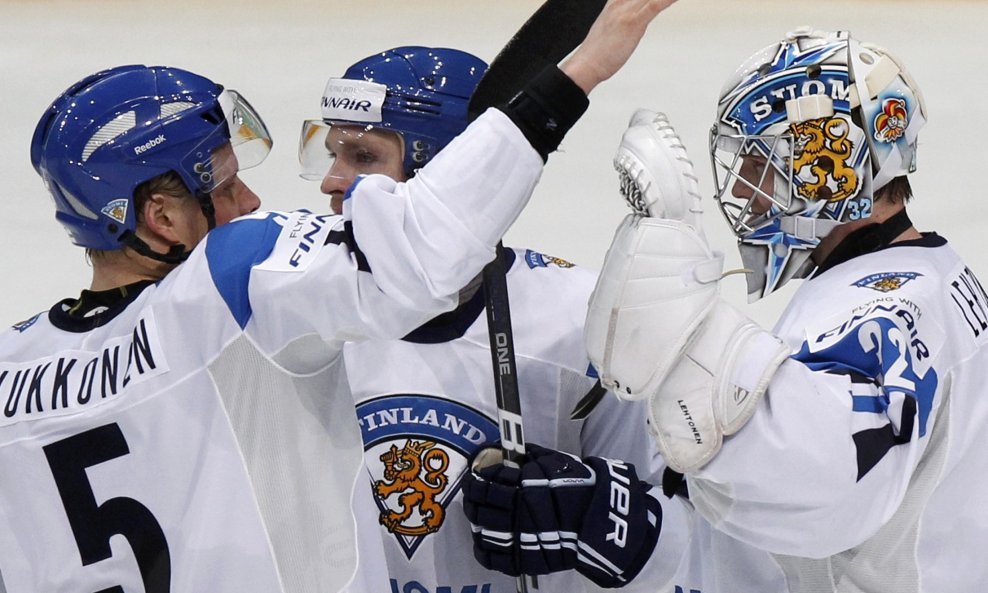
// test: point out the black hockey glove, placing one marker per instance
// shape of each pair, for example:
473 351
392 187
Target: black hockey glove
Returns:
558 512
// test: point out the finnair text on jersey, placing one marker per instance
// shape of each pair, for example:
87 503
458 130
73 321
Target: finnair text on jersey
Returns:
903 311
72 380
306 230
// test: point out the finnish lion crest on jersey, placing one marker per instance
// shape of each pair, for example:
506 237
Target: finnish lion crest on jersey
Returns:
22 326
540 260
822 150
416 451
886 281
416 473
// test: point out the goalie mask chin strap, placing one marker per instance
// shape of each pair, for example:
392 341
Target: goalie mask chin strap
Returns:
867 239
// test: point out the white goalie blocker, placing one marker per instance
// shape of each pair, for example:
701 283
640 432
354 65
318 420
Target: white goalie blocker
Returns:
657 328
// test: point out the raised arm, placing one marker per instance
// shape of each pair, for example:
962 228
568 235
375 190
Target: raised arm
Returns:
611 40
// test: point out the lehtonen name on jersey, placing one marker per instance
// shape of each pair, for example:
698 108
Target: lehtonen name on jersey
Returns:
72 380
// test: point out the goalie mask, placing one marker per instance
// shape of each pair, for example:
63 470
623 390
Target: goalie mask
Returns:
807 131
419 93
118 128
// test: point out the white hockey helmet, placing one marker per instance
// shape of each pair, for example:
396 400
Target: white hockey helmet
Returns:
807 130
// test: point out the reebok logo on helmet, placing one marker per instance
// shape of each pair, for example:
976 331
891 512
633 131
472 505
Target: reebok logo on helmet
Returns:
150 144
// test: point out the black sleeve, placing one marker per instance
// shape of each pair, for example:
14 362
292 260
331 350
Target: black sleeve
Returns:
546 109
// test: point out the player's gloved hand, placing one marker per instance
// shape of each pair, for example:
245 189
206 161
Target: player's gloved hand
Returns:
558 512
656 327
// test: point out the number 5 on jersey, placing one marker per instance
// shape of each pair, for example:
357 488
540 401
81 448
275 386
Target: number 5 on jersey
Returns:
93 524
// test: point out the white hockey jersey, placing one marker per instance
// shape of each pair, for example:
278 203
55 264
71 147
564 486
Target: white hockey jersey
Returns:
197 437
426 403
861 470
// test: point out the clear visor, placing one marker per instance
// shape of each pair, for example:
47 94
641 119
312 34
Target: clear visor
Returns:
249 136
364 149
314 157
248 146
752 177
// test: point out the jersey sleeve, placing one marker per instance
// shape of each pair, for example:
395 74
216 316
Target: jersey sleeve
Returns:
828 456
396 257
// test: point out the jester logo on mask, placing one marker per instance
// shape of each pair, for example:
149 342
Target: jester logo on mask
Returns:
821 151
890 124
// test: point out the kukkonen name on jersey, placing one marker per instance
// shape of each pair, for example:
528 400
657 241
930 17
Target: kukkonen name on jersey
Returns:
71 380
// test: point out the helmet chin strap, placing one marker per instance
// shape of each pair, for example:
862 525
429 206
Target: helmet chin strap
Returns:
208 209
176 253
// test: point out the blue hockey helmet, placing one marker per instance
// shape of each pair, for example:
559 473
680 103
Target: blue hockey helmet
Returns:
421 93
807 130
120 127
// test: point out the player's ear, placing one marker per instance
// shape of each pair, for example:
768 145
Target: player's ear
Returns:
160 216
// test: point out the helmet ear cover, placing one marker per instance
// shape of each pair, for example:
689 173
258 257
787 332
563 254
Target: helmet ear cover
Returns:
420 93
835 119
116 129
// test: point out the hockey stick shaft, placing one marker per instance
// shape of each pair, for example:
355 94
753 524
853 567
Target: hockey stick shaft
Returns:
505 370
503 358
552 32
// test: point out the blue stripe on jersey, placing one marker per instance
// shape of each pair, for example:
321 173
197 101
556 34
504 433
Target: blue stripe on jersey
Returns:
231 251
868 403
877 348
877 353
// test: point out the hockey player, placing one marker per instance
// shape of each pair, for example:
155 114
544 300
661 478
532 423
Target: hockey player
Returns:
843 443
426 403
182 405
